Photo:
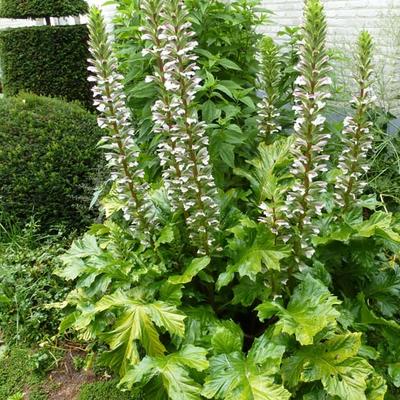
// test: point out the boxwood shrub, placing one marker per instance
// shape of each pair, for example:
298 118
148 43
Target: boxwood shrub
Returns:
48 159
41 8
46 60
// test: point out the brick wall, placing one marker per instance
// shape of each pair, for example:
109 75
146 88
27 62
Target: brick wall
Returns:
345 20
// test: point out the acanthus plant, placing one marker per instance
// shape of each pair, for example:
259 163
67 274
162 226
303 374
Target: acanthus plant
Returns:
227 34
270 76
295 296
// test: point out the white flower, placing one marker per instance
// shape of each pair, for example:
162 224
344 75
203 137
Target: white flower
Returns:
320 120
300 81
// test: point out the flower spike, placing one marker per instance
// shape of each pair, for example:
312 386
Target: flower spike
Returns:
269 80
122 152
197 185
356 136
162 110
311 92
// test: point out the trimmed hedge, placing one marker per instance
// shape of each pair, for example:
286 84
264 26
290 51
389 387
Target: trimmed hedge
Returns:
48 160
46 60
41 8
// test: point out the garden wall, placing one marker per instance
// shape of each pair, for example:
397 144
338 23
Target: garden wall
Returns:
345 19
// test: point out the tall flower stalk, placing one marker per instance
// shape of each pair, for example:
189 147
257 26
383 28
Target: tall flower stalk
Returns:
356 136
311 92
163 108
270 74
176 116
122 152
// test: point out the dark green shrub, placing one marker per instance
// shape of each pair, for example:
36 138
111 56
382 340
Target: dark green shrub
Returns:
40 8
47 158
46 60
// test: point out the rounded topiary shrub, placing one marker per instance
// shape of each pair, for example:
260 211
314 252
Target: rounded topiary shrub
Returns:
48 159
41 8
46 60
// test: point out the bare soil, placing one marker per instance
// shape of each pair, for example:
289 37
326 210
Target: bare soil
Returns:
64 382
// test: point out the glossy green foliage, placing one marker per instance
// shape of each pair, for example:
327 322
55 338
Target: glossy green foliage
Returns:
48 61
297 299
47 158
40 8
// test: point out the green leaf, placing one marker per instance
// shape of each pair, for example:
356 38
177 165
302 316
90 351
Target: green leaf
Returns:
317 394
379 224
136 323
394 373
232 377
166 235
196 265
172 370
4 299
225 90
227 153
167 316
227 338
376 388
144 90
73 258
341 233
254 249
225 278
210 111
248 102
228 64
332 362
263 178
310 310
191 356
247 291
384 289
68 322
267 351
368 317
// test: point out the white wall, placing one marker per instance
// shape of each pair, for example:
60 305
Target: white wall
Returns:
108 10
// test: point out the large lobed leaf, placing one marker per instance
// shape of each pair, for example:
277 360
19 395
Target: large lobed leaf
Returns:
137 323
310 310
334 363
172 374
254 251
233 377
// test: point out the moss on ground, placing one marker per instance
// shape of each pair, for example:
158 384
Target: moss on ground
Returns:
19 380
17 375
103 390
